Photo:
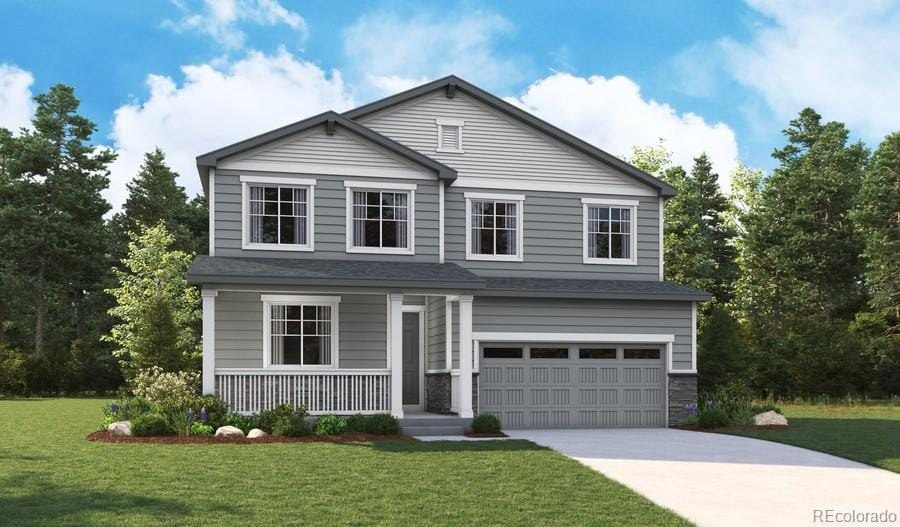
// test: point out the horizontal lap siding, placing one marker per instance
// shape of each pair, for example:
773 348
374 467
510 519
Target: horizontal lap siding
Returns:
588 316
495 145
436 331
239 330
553 244
330 218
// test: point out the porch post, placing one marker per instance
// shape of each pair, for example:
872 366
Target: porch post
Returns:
465 356
209 340
395 352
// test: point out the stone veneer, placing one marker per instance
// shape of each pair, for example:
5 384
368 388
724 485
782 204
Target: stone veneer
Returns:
437 393
682 391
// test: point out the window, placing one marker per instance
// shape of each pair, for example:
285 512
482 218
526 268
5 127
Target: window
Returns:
641 353
278 213
549 353
449 135
493 226
502 353
596 353
381 219
300 331
609 231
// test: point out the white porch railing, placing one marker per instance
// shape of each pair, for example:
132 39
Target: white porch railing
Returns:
321 391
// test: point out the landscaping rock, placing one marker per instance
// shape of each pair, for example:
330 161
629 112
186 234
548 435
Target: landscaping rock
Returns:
770 418
120 428
229 431
256 432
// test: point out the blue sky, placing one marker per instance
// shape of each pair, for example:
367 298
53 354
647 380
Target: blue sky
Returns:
721 77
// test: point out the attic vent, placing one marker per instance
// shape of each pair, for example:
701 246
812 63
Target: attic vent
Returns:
450 135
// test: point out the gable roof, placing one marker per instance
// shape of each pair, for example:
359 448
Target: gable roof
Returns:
452 83
330 120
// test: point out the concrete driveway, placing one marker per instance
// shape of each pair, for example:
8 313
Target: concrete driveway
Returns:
714 479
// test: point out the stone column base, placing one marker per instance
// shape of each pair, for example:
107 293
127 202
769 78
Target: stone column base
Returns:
437 393
682 391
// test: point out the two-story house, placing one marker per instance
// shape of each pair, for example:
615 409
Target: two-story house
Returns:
442 251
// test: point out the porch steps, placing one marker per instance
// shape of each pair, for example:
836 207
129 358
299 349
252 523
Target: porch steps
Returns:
433 425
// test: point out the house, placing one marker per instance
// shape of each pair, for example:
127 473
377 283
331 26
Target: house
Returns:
442 251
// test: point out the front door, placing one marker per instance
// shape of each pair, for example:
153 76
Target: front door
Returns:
412 360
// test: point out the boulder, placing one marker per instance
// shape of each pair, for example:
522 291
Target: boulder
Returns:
769 418
256 432
229 431
120 428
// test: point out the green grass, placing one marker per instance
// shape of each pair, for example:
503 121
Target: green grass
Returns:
50 475
866 433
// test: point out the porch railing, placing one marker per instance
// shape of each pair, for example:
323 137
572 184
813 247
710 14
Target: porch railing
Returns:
321 392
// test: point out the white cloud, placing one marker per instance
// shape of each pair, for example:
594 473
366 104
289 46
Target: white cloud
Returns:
220 19
393 53
611 114
839 57
16 105
215 106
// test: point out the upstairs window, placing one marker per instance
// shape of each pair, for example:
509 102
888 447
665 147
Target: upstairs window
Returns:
493 226
450 135
381 219
277 213
609 231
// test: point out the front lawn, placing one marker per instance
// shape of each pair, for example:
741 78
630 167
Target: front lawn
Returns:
866 433
51 475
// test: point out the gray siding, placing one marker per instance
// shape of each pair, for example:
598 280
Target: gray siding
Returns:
553 239
588 316
436 331
330 219
239 331
495 146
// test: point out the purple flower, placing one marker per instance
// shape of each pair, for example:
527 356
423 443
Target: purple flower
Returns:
114 408
691 408
190 415
709 404
203 415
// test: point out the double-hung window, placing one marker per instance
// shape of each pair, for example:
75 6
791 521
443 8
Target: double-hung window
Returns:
380 218
278 213
300 331
609 231
494 226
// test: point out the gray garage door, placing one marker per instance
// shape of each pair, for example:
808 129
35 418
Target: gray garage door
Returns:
573 385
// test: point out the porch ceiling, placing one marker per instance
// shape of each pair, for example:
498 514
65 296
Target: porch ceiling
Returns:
358 273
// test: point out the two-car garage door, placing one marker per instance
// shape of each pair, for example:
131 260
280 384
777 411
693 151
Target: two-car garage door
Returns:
573 385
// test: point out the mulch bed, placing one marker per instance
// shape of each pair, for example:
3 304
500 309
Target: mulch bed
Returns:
695 428
473 434
106 437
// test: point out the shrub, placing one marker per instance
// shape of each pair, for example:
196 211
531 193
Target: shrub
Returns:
201 429
377 424
170 390
216 409
713 417
330 425
236 420
124 409
151 425
283 420
486 424
12 371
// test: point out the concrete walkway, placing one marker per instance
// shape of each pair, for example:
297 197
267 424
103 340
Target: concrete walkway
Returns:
715 479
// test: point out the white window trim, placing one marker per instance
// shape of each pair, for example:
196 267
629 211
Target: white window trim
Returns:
309 184
519 200
362 186
603 202
460 124
269 300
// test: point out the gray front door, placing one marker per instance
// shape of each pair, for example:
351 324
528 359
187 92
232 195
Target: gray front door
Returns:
411 359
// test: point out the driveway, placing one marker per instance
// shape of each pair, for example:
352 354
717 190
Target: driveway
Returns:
715 479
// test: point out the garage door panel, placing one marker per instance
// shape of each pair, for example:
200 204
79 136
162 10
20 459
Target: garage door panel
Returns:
573 392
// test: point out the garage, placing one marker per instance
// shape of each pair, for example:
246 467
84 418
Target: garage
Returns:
549 385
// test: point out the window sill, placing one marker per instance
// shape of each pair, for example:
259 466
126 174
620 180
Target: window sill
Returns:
449 151
494 258
609 261
276 247
380 250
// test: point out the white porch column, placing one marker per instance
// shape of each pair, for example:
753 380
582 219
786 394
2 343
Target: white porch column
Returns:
465 356
209 340
448 333
395 327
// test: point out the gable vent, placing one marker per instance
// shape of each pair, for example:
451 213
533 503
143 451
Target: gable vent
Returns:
449 135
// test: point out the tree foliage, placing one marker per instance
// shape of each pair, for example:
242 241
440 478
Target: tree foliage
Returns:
157 310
